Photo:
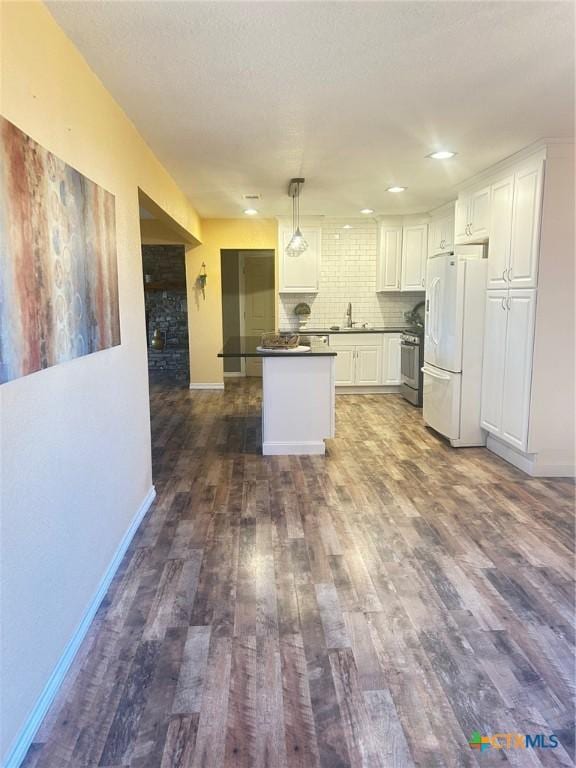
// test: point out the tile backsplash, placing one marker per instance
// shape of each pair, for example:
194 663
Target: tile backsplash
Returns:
348 273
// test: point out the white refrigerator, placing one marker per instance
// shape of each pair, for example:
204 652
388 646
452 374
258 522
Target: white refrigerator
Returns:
453 341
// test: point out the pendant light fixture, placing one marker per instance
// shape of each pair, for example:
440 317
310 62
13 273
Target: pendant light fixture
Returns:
297 244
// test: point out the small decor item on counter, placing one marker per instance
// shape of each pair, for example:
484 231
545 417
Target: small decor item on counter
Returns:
201 280
302 312
279 341
158 340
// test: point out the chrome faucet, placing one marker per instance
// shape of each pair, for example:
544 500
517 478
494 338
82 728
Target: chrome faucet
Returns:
349 323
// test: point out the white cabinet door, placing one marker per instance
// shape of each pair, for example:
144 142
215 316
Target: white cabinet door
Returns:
300 274
434 237
344 366
441 235
414 251
472 217
526 211
479 213
389 259
368 364
461 219
494 360
518 370
447 233
391 350
500 233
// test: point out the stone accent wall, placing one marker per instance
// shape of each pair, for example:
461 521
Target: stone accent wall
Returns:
166 309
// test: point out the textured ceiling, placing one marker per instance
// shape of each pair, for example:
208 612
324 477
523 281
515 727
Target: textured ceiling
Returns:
238 97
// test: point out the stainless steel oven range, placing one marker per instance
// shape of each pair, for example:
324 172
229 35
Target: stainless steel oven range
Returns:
412 360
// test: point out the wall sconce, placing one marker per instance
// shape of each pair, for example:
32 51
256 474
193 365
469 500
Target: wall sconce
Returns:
201 280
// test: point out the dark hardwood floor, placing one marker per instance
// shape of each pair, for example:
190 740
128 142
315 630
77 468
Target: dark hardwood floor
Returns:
373 607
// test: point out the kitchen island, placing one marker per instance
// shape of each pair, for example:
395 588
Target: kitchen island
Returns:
298 395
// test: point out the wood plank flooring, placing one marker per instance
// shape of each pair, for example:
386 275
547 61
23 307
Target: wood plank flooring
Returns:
371 608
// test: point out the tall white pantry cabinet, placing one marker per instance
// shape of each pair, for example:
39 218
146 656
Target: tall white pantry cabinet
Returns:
528 383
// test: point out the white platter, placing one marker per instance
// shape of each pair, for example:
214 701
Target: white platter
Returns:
299 348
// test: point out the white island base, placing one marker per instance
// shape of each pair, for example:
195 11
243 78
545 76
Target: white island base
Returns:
298 400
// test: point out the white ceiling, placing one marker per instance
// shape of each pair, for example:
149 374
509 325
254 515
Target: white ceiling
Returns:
237 97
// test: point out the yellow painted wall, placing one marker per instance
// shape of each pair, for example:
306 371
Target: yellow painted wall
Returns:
205 315
75 438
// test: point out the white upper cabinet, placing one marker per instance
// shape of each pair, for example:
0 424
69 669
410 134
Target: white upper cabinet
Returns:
500 233
300 274
414 252
389 259
441 234
461 220
472 217
515 228
526 212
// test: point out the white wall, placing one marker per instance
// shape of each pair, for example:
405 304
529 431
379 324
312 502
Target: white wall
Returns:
74 439
552 431
348 273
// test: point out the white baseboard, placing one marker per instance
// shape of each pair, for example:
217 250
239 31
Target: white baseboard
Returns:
368 390
294 449
26 735
234 374
207 385
532 463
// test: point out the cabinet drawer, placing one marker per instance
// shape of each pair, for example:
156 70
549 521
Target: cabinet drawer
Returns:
355 339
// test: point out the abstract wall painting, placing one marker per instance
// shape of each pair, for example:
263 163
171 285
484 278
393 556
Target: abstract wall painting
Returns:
58 271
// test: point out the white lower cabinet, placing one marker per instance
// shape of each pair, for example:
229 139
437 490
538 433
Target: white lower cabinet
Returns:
391 351
344 366
368 364
507 367
495 320
518 367
367 359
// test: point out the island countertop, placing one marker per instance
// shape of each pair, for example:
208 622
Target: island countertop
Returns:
343 331
245 346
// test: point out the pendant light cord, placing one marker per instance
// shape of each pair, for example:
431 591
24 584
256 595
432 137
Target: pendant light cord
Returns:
298 205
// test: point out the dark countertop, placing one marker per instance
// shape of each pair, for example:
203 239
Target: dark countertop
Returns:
327 331
245 346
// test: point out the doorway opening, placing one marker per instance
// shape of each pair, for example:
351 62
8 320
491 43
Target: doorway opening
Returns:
248 302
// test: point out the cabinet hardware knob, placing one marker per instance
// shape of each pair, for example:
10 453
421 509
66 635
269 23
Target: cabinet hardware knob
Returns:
503 302
504 275
510 275
508 302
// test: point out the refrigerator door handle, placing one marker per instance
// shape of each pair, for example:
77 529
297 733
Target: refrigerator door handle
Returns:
434 309
434 375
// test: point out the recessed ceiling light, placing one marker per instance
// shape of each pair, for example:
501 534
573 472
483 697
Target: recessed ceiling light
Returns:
396 189
442 154
367 210
250 211
347 226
